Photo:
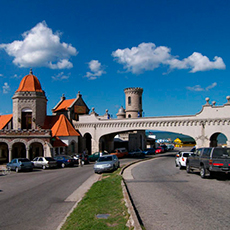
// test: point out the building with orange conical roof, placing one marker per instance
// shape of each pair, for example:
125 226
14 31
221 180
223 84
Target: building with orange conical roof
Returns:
29 132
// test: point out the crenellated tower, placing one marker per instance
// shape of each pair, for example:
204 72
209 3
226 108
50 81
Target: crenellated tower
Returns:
133 102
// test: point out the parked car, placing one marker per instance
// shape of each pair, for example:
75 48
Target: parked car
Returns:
65 160
170 147
95 156
209 160
181 159
44 162
20 164
159 150
84 161
164 146
149 151
106 163
120 152
136 153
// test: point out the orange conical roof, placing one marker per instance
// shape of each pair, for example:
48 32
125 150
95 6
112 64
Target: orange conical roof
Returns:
63 127
30 83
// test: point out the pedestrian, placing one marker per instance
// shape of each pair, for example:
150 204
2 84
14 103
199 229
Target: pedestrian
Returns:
80 160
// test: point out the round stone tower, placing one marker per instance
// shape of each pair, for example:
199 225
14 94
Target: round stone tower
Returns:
133 102
29 104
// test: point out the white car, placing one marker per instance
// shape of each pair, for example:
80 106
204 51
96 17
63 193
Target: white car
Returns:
181 158
44 162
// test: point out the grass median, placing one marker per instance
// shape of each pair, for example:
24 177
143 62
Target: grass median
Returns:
103 206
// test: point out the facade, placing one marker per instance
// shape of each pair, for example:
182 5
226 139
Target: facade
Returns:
30 132
72 128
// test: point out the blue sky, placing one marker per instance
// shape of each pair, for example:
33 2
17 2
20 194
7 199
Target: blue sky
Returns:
177 51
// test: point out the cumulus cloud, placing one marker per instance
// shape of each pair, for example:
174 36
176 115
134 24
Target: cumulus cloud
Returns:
147 56
40 47
1 75
199 88
5 88
96 70
61 76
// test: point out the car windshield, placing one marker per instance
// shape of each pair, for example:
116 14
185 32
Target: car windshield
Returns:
221 152
68 157
49 159
101 159
185 154
23 160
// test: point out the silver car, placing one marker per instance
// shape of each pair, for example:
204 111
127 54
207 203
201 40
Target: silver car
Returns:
44 162
106 163
20 164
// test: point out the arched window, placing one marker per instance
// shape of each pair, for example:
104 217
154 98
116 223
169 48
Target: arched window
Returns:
129 100
26 118
129 116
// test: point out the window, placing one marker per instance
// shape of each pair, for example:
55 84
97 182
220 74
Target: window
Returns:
129 116
140 100
129 100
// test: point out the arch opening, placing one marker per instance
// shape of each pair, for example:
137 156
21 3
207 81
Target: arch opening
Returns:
18 150
4 153
88 143
36 150
218 139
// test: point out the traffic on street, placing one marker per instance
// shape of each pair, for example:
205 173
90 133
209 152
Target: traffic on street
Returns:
168 198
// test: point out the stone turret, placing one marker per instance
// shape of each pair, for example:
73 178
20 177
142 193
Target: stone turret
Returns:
133 101
29 104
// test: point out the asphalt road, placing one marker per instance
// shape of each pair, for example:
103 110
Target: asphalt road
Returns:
169 198
37 200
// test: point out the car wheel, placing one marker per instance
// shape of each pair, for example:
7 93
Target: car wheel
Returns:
118 166
188 169
43 167
63 165
180 167
176 164
16 169
202 172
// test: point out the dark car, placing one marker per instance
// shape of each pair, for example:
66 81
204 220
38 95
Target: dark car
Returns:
95 156
209 160
20 164
149 151
65 160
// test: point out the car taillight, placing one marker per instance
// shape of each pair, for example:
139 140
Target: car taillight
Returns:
210 162
182 158
69 160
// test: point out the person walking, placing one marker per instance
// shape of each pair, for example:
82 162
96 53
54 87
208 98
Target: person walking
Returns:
80 160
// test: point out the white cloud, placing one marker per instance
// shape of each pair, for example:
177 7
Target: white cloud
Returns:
149 57
199 88
60 76
5 88
40 47
96 70
1 75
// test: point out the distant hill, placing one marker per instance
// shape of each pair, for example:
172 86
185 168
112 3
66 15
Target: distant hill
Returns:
184 138
171 136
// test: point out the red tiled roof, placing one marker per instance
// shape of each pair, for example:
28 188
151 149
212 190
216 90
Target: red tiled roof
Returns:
63 127
64 105
30 83
4 119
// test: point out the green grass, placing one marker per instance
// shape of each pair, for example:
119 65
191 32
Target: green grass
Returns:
104 197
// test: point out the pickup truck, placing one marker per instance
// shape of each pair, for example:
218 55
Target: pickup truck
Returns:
209 160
